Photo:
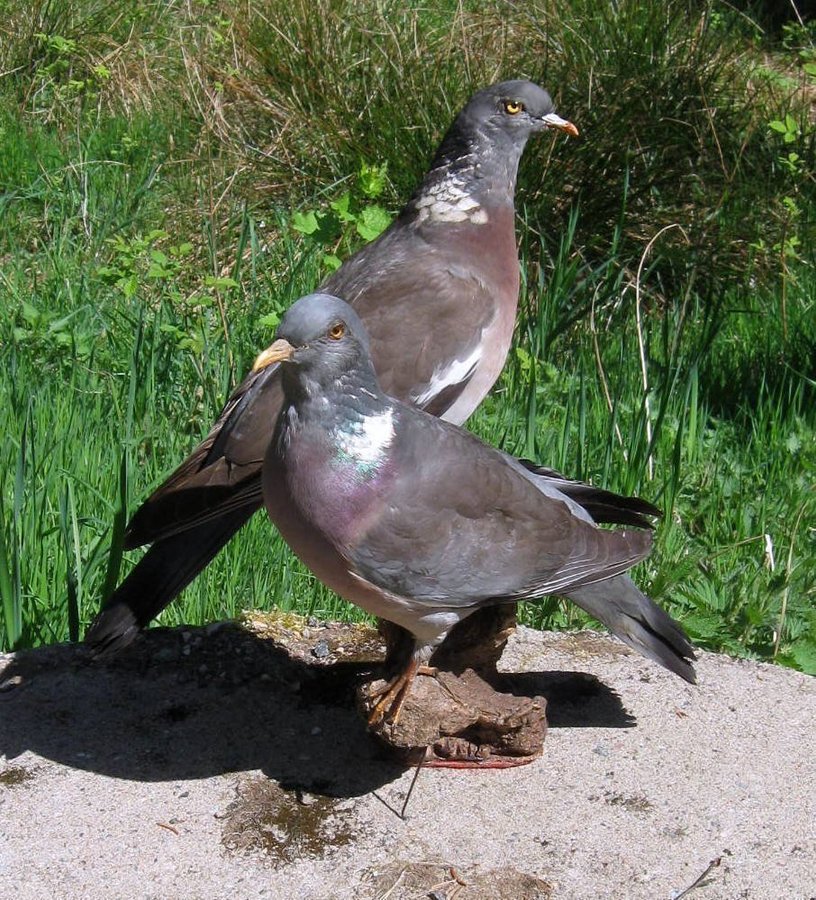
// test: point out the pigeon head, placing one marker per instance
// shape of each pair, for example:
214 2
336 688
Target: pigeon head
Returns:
510 110
478 158
320 340
498 120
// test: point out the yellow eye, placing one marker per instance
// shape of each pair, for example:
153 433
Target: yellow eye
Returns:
513 107
337 331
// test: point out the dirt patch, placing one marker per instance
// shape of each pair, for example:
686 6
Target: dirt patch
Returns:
314 641
441 881
15 776
632 804
285 826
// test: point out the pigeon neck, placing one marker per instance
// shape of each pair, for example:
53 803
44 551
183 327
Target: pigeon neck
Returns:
470 175
314 389
349 416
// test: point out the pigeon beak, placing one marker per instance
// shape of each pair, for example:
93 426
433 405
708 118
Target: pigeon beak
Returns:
279 351
551 120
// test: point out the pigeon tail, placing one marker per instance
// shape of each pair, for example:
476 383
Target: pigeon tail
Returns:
639 622
162 573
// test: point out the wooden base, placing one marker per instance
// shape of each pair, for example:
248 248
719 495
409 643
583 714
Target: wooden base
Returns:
458 718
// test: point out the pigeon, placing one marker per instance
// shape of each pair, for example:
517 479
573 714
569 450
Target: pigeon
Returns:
409 517
446 268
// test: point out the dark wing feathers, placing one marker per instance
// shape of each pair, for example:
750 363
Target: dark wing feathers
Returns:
604 506
223 473
165 570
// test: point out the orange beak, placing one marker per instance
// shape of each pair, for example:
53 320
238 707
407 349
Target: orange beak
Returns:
551 120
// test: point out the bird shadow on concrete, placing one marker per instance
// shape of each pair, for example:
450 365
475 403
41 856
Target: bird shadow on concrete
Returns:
574 699
201 702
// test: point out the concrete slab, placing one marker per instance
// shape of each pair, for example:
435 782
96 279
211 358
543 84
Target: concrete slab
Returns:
213 763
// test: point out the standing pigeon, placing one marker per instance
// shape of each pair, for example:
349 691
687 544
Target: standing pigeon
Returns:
446 269
407 516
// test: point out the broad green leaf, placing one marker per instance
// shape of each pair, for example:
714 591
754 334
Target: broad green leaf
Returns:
341 207
271 320
220 282
305 223
372 222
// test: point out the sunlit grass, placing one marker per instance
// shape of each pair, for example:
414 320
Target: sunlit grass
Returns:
142 245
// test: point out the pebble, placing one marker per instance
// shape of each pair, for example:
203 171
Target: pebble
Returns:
321 649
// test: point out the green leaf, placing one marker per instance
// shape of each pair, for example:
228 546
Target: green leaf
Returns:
372 179
524 359
109 273
332 262
341 207
793 443
128 285
802 656
220 282
372 222
702 626
776 125
31 314
305 223
804 653
270 321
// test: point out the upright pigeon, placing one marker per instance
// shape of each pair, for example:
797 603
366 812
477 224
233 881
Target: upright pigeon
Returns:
410 517
447 269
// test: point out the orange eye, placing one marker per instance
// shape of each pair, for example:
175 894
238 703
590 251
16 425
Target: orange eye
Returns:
337 331
513 107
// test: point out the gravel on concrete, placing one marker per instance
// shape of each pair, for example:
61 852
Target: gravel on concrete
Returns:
224 762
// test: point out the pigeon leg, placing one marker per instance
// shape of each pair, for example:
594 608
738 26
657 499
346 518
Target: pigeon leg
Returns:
392 695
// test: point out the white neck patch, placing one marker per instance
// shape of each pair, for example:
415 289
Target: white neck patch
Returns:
448 201
368 438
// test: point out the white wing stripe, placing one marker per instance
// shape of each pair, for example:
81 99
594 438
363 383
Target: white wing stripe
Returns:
455 372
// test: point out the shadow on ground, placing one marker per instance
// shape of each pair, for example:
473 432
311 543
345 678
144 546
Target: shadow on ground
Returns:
196 702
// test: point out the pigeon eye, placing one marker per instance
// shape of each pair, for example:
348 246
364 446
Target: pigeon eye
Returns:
513 107
337 331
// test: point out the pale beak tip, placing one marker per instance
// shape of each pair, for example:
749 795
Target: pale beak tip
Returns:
551 120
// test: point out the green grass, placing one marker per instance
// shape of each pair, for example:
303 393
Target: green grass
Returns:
146 245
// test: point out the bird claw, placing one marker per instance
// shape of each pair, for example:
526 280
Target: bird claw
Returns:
392 695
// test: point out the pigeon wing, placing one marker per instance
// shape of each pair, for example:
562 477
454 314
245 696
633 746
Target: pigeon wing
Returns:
460 526
429 314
